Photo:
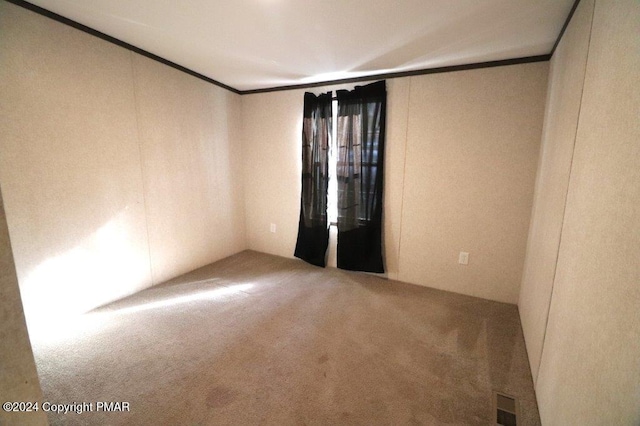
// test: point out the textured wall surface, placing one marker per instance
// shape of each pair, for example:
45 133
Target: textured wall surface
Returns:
589 372
272 128
118 172
70 166
561 121
472 147
191 163
18 375
470 142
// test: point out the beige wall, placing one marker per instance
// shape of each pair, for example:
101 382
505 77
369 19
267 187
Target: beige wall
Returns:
589 372
191 163
470 143
472 147
271 126
18 375
117 172
563 105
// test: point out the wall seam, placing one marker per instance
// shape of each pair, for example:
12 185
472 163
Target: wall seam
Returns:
404 175
142 174
566 199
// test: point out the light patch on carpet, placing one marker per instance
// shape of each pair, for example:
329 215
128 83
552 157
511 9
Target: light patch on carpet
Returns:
215 294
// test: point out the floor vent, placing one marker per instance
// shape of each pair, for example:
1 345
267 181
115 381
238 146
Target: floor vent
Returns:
506 409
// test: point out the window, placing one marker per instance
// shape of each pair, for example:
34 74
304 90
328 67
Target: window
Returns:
346 137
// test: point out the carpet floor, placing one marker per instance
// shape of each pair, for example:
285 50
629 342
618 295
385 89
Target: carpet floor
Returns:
260 339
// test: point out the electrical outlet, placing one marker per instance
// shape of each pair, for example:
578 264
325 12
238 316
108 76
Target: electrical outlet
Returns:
463 259
272 228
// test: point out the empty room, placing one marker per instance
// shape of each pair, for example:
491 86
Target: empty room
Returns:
297 212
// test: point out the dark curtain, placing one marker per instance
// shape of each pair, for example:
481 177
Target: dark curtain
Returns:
313 228
361 135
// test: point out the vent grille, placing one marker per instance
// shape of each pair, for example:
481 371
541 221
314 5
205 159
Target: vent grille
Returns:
506 409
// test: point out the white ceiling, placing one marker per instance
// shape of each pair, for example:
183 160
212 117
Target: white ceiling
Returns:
253 44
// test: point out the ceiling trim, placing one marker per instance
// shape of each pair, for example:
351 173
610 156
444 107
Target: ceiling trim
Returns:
47 13
452 68
505 62
564 27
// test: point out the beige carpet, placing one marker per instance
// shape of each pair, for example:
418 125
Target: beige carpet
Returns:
259 339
